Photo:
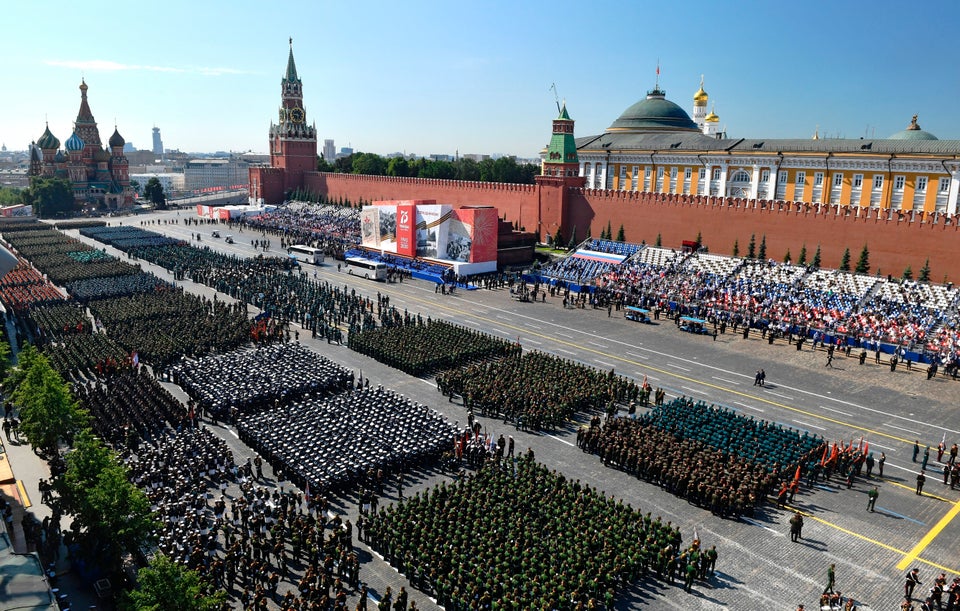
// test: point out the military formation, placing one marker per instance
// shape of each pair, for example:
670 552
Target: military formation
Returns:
421 347
516 535
535 390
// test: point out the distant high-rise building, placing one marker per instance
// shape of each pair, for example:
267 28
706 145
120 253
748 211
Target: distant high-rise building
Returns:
157 142
346 151
329 151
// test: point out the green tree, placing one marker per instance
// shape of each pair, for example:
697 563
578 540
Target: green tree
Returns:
659 241
51 197
344 165
153 191
802 260
908 273
863 264
325 165
438 169
11 196
573 239
787 258
816 258
136 186
48 411
164 584
845 261
752 247
609 231
699 239
736 248
467 169
762 253
369 163
558 239
925 272
113 515
620 235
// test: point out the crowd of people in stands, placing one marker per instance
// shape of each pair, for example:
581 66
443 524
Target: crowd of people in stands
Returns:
535 541
330 227
535 390
788 299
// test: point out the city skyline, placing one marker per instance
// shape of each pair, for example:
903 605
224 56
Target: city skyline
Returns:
427 78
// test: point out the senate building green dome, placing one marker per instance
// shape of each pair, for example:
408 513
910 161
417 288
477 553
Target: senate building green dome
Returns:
654 113
913 132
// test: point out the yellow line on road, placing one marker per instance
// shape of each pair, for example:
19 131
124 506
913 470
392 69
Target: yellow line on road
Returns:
910 556
913 488
929 537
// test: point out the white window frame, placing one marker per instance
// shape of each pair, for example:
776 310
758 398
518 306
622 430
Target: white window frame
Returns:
838 179
878 181
944 186
716 173
782 177
857 181
764 176
899 182
673 173
688 173
921 184
801 178
623 177
634 178
660 173
818 179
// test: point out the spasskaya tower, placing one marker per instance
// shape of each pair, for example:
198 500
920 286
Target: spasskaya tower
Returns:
293 144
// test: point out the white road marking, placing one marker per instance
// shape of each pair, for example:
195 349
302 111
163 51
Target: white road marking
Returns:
899 428
565 351
759 525
234 433
696 390
836 411
561 440
675 366
812 426
568 336
726 380
604 346
888 448
776 394
749 406
532 341
606 364
639 356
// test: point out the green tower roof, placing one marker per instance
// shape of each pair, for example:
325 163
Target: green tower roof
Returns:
563 146
291 65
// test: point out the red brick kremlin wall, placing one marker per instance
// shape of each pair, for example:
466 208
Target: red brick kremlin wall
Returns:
893 242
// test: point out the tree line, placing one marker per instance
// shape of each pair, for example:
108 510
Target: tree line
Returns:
504 169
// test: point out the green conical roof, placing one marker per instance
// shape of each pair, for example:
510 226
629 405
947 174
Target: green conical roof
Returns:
563 113
291 66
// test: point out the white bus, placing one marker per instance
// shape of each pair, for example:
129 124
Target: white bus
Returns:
366 268
306 254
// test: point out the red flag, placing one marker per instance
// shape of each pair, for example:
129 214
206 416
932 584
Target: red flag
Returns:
796 478
860 445
866 447
833 453
823 459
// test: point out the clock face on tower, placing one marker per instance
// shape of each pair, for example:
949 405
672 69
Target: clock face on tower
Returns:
296 115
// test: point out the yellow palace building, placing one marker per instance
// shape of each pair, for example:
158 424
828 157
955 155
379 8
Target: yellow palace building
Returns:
655 146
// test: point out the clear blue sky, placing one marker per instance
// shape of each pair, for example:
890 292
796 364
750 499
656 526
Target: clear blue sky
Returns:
436 76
